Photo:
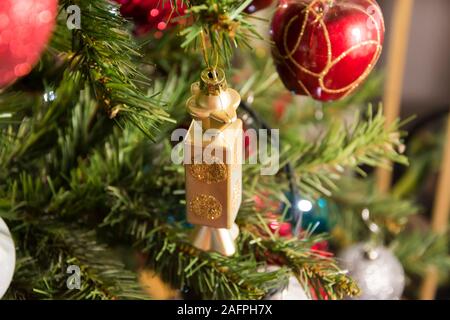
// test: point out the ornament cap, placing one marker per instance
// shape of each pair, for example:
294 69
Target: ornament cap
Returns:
213 81
212 102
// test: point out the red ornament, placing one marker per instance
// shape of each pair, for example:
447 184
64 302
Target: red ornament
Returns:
275 224
280 105
326 48
283 229
25 28
257 5
322 249
152 15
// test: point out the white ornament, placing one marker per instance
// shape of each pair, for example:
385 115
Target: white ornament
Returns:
7 257
293 291
378 273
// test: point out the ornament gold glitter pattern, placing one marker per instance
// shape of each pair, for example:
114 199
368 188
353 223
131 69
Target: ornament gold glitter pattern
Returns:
318 14
206 207
209 173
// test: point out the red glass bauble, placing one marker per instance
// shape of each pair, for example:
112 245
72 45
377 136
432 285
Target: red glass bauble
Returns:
283 229
257 5
322 248
152 15
25 28
326 48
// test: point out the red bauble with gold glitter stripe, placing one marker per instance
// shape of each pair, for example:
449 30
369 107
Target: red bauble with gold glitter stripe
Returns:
25 28
326 48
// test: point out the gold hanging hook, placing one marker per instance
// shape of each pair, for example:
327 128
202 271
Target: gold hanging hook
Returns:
204 51
217 59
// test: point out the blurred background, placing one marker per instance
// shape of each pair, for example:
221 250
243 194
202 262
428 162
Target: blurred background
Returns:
425 95
427 72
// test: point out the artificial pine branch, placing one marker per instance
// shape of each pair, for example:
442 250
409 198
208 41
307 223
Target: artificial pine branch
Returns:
209 275
417 251
223 26
106 54
314 271
388 212
54 247
320 164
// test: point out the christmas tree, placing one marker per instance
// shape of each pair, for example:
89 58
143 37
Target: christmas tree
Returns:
89 188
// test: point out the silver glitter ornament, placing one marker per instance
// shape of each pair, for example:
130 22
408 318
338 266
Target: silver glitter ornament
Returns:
378 273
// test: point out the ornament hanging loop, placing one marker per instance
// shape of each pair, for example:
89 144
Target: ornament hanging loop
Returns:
375 235
212 102
204 50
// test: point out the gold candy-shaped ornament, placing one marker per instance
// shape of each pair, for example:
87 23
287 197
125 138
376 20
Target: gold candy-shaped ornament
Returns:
213 163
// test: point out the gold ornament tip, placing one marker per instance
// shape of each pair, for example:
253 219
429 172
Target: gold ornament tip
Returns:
218 240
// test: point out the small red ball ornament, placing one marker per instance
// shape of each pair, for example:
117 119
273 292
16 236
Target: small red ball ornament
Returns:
326 48
322 249
152 15
25 28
